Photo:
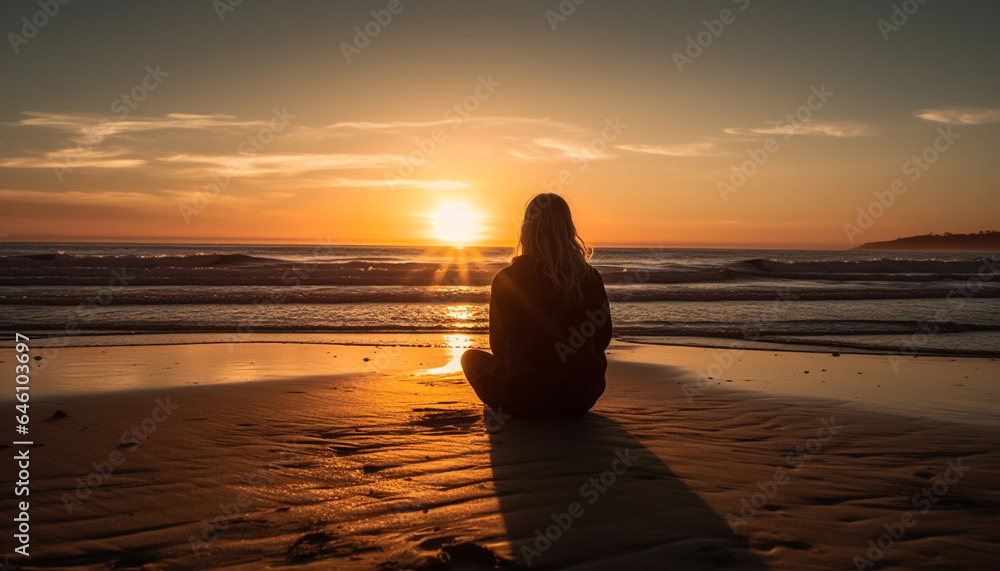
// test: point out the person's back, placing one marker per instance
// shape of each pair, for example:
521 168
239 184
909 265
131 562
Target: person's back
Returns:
549 323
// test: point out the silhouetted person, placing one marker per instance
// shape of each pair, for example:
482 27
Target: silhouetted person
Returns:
550 322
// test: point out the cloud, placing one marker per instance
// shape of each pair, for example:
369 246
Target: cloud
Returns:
453 121
243 165
555 149
698 149
390 126
95 126
399 182
813 128
960 115
103 197
63 160
518 138
287 164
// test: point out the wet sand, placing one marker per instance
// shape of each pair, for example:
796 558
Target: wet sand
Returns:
336 462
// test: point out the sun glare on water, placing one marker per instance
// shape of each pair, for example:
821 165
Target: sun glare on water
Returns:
455 225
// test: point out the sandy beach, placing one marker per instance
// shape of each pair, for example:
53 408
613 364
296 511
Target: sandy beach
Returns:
324 460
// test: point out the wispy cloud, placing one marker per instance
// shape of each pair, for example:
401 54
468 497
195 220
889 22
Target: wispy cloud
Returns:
397 183
287 164
696 149
388 126
454 120
104 159
556 149
960 115
811 128
92 197
96 125
519 138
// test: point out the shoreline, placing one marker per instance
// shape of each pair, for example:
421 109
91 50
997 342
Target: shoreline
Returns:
447 339
948 388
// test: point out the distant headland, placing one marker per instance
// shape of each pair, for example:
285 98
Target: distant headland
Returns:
986 241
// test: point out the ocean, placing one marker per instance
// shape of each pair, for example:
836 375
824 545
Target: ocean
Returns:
887 302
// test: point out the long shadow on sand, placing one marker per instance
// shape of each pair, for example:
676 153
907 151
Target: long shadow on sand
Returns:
584 493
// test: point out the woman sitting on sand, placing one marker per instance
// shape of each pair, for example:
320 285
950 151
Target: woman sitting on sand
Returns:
550 322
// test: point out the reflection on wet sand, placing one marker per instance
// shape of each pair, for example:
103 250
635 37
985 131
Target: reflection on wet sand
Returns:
457 344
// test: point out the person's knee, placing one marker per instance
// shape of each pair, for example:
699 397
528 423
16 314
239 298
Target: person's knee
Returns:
466 359
476 356
471 363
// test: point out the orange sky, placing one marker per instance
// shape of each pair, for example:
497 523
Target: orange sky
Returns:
258 125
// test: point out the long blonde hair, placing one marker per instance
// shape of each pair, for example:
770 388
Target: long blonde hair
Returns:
549 236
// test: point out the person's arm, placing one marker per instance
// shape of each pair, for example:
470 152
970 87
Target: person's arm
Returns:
603 336
499 319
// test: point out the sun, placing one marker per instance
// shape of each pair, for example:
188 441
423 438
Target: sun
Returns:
455 225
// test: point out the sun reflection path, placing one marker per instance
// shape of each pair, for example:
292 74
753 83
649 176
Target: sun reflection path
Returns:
459 313
454 269
457 344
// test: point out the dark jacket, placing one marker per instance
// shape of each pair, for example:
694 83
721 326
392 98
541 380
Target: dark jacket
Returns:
549 355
